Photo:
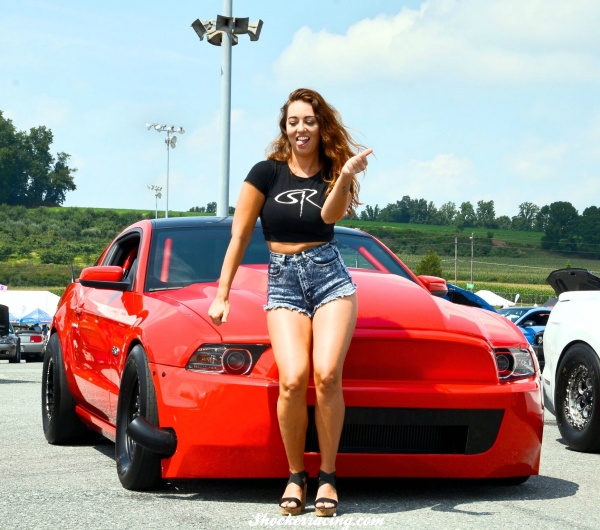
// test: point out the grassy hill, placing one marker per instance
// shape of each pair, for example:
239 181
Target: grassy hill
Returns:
37 247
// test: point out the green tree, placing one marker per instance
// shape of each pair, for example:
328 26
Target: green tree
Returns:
446 213
525 219
29 174
560 231
430 265
466 216
369 213
588 229
486 214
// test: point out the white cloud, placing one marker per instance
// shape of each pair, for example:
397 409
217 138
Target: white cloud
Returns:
446 177
512 41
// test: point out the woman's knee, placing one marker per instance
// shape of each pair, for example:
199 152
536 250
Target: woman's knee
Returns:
328 381
293 387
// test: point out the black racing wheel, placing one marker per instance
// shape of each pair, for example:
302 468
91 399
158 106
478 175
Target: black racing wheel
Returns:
59 420
138 468
575 398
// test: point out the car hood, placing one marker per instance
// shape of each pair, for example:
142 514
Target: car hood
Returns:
565 280
386 302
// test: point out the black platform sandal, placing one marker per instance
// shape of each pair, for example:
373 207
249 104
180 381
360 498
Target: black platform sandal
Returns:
300 479
326 478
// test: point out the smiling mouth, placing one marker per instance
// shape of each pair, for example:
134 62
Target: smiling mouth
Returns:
301 141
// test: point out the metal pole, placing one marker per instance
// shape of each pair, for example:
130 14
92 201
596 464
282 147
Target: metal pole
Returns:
471 257
455 258
168 146
226 43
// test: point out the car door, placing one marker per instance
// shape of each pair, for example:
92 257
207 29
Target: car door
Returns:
103 326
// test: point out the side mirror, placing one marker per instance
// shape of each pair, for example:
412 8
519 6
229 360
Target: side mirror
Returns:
104 277
436 286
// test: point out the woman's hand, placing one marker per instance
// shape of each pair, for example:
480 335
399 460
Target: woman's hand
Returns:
356 164
219 310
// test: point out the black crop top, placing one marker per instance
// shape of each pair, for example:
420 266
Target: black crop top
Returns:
292 209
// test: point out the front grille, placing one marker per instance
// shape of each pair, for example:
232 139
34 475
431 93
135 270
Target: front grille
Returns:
409 431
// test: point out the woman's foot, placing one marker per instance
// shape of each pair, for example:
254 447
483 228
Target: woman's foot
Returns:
294 496
327 499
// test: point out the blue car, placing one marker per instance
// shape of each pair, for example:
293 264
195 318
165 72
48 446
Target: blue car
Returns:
531 320
461 296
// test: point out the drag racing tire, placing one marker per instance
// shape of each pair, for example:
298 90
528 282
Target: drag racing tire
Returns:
59 420
138 468
576 396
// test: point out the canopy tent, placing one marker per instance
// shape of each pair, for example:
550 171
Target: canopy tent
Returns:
37 316
494 299
12 318
21 303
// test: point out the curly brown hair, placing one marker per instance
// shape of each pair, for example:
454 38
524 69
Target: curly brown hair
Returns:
336 145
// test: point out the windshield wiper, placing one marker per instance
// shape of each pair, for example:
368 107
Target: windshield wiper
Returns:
165 288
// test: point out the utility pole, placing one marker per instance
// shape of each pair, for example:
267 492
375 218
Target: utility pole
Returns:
455 259
471 257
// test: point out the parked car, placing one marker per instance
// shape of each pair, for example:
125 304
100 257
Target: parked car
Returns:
538 347
32 343
9 342
532 322
571 347
429 385
458 295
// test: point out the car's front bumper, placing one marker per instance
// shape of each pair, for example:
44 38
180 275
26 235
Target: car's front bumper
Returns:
227 426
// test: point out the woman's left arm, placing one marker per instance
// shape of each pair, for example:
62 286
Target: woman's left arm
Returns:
337 202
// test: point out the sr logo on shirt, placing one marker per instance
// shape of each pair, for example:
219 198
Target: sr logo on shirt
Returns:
297 196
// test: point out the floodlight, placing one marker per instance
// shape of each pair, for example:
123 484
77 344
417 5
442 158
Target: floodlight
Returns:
149 126
158 127
254 29
181 130
240 26
199 28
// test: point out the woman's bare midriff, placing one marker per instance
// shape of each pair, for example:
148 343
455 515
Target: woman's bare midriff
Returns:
292 248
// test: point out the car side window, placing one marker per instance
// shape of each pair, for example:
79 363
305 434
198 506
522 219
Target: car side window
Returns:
124 253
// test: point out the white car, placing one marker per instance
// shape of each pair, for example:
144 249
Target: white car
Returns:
572 347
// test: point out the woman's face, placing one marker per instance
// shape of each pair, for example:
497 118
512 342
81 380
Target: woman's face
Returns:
302 128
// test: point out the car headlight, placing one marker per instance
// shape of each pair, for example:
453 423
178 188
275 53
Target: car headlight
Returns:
7 340
514 363
539 339
234 359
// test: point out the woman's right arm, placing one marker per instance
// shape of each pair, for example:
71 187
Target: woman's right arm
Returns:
247 210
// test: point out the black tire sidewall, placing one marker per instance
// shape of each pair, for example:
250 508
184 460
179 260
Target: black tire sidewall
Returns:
587 439
143 469
63 425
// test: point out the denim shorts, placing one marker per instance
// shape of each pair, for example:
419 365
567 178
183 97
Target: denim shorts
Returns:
305 281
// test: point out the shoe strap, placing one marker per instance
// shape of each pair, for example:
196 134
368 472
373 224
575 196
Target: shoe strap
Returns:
324 500
299 479
326 478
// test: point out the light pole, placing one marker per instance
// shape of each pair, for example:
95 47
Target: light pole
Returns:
471 238
223 32
171 142
157 194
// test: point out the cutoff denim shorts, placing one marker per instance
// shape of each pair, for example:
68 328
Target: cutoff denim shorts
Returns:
305 281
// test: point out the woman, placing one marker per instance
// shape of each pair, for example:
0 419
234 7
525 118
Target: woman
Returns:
306 185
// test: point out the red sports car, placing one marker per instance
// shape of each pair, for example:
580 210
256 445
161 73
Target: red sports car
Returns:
432 389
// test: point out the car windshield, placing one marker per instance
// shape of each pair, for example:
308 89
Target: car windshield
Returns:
514 313
183 256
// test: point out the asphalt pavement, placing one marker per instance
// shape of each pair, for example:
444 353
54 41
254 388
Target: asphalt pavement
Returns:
76 487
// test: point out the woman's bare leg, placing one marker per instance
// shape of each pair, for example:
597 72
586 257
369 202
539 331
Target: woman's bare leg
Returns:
333 327
291 338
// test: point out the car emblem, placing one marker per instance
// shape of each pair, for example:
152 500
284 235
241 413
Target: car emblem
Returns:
115 350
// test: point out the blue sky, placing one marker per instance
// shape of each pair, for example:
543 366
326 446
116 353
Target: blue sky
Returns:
460 99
